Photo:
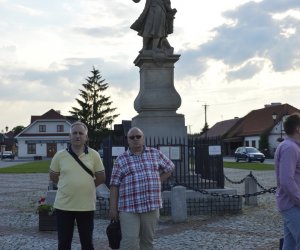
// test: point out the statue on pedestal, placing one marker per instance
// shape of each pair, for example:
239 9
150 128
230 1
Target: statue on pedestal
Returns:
154 24
157 100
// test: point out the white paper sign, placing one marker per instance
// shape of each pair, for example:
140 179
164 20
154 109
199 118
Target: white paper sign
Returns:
116 151
214 150
165 150
175 153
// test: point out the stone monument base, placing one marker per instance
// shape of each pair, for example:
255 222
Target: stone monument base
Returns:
161 124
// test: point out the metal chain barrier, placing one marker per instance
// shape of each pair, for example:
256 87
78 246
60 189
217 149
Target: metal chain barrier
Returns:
241 181
256 181
271 190
235 182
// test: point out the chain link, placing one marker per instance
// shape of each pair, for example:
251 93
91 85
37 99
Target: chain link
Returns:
256 181
235 182
243 180
271 190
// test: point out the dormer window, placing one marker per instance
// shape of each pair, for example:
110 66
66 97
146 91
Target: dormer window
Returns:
42 128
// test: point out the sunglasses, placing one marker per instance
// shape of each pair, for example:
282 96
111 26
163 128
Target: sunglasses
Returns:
135 136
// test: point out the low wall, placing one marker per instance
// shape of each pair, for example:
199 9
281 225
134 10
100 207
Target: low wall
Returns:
214 201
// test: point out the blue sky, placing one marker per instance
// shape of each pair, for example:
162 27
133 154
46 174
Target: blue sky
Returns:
236 56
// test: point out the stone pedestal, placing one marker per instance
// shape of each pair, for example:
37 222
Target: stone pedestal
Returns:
161 125
158 100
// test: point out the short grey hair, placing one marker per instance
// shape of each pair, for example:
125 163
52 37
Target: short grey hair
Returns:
78 123
134 128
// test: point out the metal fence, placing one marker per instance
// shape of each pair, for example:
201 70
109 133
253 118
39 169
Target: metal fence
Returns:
206 202
195 166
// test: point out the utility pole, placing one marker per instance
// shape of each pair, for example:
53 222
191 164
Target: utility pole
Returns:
205 118
205 111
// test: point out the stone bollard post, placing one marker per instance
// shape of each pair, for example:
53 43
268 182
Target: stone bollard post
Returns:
250 188
178 204
50 198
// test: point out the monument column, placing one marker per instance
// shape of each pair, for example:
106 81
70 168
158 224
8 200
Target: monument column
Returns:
158 100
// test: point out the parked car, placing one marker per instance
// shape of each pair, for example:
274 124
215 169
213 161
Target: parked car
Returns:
7 155
248 154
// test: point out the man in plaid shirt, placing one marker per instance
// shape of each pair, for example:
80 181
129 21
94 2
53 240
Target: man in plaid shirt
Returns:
135 191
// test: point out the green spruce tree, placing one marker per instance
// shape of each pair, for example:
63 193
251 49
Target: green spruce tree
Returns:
204 129
95 108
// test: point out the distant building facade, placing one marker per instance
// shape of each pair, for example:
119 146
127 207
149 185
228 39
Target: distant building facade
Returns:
261 128
45 135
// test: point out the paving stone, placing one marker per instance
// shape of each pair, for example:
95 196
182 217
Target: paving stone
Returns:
257 227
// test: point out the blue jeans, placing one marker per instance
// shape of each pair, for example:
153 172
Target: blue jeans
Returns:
291 226
65 228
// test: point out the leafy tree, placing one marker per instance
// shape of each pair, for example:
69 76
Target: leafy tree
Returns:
264 144
16 130
95 108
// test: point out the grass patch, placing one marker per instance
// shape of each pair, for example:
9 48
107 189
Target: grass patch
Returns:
43 167
27 168
249 166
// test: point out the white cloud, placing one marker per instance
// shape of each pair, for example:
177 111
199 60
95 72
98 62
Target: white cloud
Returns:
27 10
232 54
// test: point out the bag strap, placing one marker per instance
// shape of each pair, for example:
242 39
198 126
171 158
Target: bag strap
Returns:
69 149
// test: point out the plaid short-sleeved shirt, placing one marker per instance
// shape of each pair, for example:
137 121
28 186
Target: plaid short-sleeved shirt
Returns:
138 179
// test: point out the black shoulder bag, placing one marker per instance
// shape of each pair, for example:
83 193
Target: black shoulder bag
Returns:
80 162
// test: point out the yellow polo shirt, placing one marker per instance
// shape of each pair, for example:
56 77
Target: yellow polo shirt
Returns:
76 188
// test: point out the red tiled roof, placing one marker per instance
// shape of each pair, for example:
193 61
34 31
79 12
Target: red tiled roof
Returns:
259 121
221 128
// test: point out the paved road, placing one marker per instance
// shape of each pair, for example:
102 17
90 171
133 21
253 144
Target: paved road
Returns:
257 228
231 159
7 162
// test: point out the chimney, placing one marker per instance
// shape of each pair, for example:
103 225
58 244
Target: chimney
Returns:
273 104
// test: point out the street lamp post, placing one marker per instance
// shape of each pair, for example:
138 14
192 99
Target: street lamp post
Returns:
282 119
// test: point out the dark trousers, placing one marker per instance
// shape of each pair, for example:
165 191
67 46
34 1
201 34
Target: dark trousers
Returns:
65 228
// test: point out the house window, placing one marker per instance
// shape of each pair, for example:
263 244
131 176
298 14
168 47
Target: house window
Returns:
42 128
31 148
60 128
247 143
254 144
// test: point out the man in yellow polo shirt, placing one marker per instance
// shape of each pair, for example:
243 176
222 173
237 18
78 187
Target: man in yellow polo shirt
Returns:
76 194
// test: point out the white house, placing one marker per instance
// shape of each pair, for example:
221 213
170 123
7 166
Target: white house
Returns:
45 135
260 128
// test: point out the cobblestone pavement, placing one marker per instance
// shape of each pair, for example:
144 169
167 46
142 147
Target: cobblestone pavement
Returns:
255 228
